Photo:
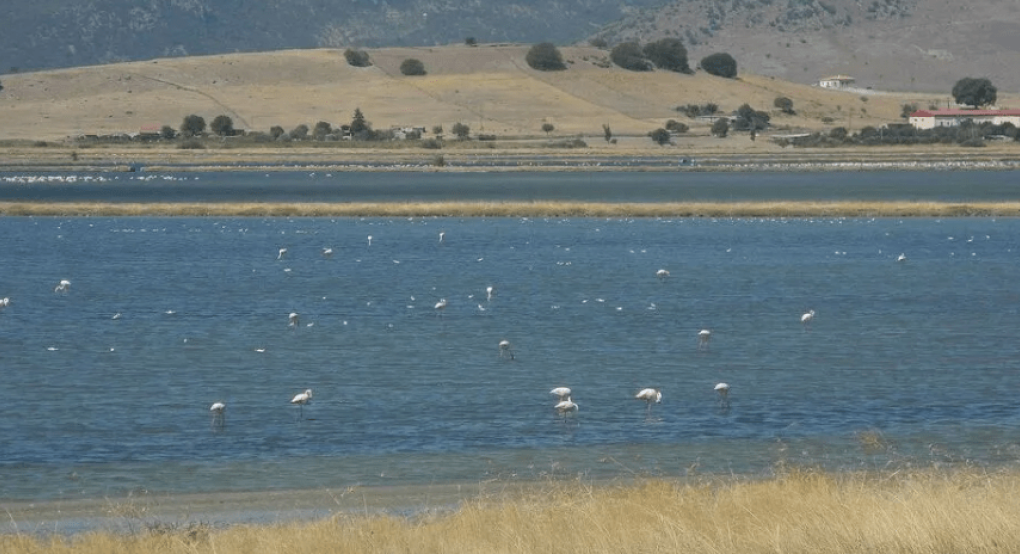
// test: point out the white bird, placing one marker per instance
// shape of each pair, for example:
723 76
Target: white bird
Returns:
441 305
301 399
279 256
806 318
488 293
295 319
442 235
662 274
561 392
4 303
724 393
649 396
704 336
504 349
370 240
217 410
64 286
566 406
901 258
327 252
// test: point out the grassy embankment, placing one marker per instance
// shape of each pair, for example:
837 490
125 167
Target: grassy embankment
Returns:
519 209
796 512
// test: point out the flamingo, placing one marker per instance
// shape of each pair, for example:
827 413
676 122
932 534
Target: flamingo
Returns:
649 395
370 240
327 252
562 392
63 287
806 318
301 399
662 274
442 235
4 303
440 306
724 393
566 406
294 319
504 349
488 293
280 254
217 410
901 258
704 336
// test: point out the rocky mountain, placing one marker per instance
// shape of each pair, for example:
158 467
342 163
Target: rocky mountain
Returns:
64 33
918 45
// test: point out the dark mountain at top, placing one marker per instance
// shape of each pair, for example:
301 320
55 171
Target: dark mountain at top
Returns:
40 34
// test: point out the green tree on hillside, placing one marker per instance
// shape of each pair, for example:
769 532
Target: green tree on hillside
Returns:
668 54
461 130
358 123
544 56
607 132
721 128
784 104
357 58
300 132
412 67
276 131
720 64
321 130
629 55
974 92
548 128
660 136
192 125
167 132
222 126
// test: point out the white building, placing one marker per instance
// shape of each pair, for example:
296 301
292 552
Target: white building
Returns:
929 119
836 81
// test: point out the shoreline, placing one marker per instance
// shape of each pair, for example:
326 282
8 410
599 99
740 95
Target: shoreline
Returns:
780 209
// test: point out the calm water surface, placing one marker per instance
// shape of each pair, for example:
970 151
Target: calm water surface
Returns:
106 388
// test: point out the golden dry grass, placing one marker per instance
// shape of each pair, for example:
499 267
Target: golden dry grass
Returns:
799 511
520 209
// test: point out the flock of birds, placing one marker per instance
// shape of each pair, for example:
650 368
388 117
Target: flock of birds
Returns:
565 404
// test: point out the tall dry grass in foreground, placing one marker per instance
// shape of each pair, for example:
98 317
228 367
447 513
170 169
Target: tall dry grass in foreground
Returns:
519 209
798 512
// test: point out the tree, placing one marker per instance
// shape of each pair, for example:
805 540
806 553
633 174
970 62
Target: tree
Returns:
321 130
462 131
192 125
721 127
674 126
749 119
411 66
357 58
784 104
470 41
167 133
974 92
437 130
358 123
222 126
720 64
668 54
629 55
607 132
660 136
907 109
276 131
544 56
548 128
300 132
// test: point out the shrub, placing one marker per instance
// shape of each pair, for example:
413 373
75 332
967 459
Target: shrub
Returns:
548 128
720 64
669 54
437 130
300 132
599 42
470 41
629 55
487 138
907 109
191 144
461 130
784 104
222 126
357 58
276 131
675 126
321 130
545 57
411 66
838 133
720 128
660 136
167 133
192 125
431 144
749 119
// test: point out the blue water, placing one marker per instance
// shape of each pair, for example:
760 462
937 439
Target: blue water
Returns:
922 353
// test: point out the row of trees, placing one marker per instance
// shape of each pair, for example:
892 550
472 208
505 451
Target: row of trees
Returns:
360 58
968 134
668 54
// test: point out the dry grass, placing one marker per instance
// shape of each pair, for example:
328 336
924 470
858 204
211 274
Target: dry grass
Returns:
519 209
799 511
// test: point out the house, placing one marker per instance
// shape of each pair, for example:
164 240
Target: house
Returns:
836 81
929 119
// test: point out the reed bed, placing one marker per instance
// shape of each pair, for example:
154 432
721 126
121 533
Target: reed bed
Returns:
519 209
798 511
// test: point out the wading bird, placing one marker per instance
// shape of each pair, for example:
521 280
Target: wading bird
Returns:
704 336
301 399
442 235
806 318
4 303
440 306
370 240
662 274
280 254
649 395
488 293
327 252
217 410
561 392
724 393
63 287
901 258
294 319
566 406
504 349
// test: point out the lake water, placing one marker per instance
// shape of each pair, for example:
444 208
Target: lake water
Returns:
106 388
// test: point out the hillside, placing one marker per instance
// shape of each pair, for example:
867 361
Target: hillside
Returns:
490 88
904 45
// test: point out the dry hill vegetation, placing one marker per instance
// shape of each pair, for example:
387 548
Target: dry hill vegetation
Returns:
490 88
797 512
